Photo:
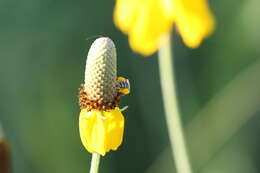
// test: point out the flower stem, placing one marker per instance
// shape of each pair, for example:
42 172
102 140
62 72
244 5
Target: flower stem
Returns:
95 163
172 114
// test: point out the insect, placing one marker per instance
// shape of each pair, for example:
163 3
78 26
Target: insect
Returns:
123 85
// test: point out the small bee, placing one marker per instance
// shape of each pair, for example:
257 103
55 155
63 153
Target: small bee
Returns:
123 85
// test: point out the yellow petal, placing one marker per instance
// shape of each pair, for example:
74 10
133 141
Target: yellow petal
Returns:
194 21
101 131
168 7
148 22
125 13
115 129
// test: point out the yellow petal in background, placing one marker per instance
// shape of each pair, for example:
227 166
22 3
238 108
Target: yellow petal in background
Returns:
125 13
168 7
194 21
149 23
101 132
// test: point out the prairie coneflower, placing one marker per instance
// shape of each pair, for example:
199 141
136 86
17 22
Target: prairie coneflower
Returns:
146 21
101 123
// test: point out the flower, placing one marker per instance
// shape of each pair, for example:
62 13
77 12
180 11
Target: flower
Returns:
101 123
147 21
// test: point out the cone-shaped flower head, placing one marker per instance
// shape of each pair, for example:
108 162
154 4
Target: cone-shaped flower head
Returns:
101 122
100 74
99 91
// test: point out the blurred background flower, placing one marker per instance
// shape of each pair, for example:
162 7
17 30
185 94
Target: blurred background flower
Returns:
43 46
146 21
5 165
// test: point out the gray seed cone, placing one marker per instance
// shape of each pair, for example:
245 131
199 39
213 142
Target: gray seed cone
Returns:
101 73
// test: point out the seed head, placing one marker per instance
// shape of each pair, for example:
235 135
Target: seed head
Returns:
99 89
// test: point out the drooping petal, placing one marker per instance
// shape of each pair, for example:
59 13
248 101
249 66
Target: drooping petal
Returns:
152 23
115 129
101 132
146 22
168 7
125 13
149 22
194 21
86 123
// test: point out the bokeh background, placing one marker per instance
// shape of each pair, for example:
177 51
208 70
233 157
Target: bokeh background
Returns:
43 47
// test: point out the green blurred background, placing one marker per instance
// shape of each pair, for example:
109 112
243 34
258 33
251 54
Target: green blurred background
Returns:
43 47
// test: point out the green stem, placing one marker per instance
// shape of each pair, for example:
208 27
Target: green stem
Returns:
95 163
172 114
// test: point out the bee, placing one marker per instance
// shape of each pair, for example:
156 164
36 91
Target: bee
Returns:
123 85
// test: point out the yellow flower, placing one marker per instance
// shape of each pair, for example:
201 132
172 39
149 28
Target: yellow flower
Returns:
101 123
101 131
146 21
